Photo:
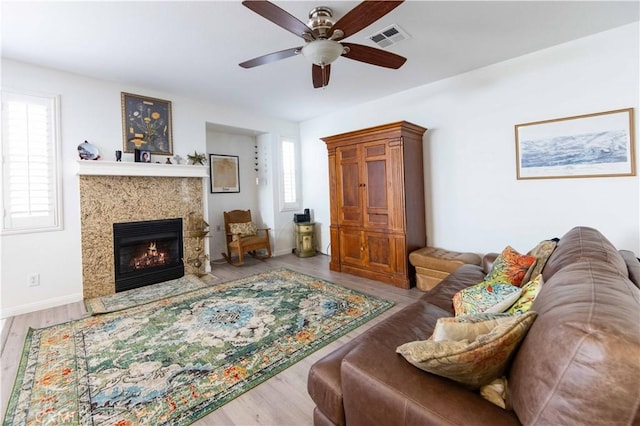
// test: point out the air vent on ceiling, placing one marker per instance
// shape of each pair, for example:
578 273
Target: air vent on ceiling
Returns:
390 35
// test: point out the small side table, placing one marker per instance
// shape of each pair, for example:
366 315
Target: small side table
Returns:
305 239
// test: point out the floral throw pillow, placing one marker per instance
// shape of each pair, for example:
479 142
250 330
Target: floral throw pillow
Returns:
245 229
476 360
510 267
485 297
529 292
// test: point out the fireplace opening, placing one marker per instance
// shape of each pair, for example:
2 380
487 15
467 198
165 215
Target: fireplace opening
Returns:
147 252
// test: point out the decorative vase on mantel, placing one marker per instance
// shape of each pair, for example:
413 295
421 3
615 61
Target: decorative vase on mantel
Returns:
87 151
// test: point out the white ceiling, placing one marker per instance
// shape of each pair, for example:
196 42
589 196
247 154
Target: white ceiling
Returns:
193 48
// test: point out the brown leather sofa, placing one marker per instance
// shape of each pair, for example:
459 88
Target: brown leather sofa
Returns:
578 365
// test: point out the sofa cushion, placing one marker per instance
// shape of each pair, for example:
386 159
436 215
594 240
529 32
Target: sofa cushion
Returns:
510 267
579 362
478 358
485 297
583 243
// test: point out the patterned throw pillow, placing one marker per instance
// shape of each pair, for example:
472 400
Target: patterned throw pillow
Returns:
510 267
496 392
529 292
485 297
465 327
471 362
245 229
541 252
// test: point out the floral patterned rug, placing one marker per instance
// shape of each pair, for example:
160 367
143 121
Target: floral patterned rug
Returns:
175 360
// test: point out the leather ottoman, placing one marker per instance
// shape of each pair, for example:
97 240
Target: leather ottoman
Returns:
434 264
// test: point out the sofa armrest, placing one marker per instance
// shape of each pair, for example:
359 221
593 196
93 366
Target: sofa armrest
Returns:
633 265
487 261
381 387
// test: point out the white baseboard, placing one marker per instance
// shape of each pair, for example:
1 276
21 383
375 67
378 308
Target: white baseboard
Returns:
281 252
38 306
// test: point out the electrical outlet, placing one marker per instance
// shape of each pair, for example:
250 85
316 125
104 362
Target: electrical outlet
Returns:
33 279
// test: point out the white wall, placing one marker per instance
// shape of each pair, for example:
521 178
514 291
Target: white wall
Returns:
281 222
90 110
475 202
247 198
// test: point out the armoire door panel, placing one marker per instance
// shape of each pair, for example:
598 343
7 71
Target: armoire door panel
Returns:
376 187
351 247
350 175
377 219
379 248
349 189
375 149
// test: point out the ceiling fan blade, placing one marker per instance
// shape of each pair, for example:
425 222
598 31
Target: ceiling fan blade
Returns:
373 56
363 15
271 57
320 75
279 17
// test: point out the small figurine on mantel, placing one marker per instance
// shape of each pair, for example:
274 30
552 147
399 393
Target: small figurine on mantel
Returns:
196 159
178 159
168 161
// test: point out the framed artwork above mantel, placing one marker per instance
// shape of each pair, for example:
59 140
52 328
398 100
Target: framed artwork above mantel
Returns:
146 124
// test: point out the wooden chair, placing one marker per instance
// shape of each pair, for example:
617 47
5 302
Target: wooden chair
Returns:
239 227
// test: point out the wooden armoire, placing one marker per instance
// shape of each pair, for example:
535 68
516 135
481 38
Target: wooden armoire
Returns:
376 186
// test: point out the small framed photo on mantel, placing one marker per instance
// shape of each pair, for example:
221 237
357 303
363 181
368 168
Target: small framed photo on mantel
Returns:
142 156
225 174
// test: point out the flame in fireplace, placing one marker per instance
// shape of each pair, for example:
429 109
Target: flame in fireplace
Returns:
151 257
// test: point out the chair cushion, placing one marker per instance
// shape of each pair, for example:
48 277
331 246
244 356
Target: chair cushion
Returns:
248 242
245 229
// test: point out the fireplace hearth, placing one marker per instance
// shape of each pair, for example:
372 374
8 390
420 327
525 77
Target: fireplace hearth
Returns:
147 252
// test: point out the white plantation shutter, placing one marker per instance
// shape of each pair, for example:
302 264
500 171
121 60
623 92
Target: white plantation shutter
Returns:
289 175
29 168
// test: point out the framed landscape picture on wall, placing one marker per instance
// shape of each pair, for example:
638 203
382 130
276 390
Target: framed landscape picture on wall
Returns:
146 124
591 145
225 174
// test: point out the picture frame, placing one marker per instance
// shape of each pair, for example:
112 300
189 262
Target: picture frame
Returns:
591 145
146 124
225 173
142 156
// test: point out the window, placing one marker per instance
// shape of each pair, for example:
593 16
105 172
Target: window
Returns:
30 156
289 180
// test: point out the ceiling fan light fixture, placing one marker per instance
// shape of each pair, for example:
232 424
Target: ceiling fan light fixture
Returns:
322 52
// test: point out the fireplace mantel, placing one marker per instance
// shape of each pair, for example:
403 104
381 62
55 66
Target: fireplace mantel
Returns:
123 168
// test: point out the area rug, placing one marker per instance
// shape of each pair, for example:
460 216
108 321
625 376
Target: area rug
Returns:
146 294
175 360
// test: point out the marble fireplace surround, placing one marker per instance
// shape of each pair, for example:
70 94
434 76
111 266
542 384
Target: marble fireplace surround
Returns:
113 192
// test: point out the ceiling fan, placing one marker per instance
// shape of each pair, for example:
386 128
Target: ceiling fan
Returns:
321 35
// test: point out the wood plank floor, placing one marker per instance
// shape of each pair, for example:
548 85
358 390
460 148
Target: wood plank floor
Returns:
281 400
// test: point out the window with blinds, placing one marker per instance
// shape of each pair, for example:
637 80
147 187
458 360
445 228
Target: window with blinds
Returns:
289 176
30 156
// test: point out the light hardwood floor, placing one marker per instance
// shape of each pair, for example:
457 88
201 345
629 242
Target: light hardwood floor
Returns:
281 400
